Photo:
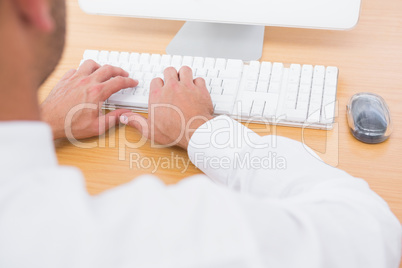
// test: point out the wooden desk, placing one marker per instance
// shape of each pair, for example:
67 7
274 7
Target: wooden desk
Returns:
369 58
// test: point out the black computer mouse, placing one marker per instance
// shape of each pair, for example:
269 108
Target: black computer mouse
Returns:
369 118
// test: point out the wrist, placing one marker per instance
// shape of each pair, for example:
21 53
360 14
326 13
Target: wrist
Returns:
192 125
57 129
57 132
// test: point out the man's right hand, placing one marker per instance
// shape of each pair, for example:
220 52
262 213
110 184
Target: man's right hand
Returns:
177 107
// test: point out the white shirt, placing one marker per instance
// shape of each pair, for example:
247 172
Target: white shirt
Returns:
297 212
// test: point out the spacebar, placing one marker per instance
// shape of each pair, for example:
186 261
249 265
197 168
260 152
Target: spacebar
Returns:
129 100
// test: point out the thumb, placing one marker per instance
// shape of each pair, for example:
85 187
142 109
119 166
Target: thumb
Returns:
110 120
136 121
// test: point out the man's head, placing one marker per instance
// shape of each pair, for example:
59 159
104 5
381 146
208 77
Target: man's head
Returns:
34 30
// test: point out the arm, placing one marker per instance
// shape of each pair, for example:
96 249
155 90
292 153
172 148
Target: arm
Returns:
272 166
300 203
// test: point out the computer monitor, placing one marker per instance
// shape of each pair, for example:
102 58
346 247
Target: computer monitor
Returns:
231 28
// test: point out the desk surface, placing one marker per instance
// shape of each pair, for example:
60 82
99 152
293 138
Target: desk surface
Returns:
368 57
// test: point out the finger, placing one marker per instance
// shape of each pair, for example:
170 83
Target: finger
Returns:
107 72
186 75
116 84
170 73
200 82
156 85
68 74
136 121
110 120
88 67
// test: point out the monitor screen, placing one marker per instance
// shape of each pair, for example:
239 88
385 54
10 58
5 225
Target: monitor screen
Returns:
318 14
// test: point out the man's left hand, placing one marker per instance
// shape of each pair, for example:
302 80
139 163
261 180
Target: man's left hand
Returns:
73 108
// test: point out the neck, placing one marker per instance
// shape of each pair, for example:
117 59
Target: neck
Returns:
18 92
18 100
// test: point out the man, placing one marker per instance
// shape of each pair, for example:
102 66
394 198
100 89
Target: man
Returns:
300 214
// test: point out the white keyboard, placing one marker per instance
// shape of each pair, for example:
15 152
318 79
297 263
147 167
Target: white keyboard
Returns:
258 92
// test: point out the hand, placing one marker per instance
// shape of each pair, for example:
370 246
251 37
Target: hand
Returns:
176 108
74 105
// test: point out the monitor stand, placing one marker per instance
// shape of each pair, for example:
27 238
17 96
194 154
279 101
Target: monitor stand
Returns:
218 40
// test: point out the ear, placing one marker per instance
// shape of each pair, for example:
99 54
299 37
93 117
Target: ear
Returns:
37 13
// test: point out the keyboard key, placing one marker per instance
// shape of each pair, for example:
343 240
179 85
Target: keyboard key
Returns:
147 68
314 113
296 115
316 99
290 105
155 59
166 60
271 106
213 73
229 74
234 65
198 62
254 66
220 64
157 69
114 58
138 75
294 74
201 72
262 86
139 91
319 75
124 58
306 75
328 99
125 66
216 90
331 77
176 61
265 71
91 55
223 108
230 87
282 94
216 82
246 105
328 113
218 98
128 91
145 58
209 63
129 100
253 75
134 58
187 61
257 108
149 76
251 86
103 56
136 67
277 71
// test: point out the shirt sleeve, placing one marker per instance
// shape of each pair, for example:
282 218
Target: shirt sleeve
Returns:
270 166
327 203
47 219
